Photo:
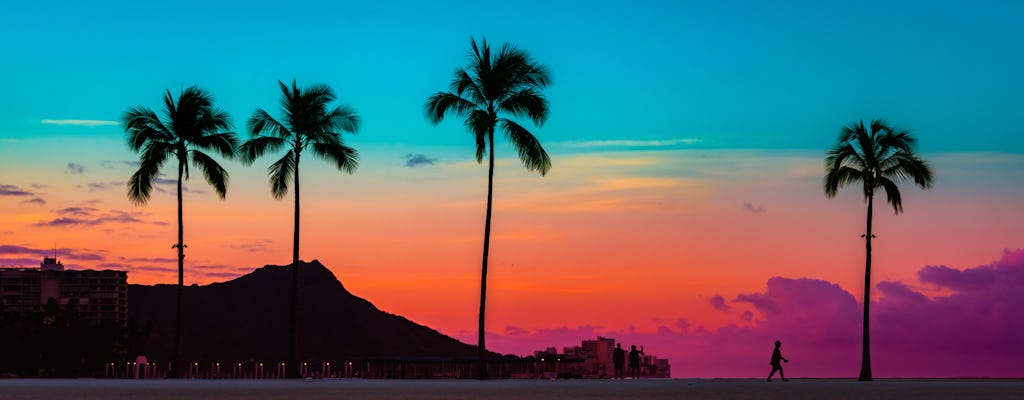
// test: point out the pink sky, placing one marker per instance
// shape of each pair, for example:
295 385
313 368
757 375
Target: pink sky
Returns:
620 243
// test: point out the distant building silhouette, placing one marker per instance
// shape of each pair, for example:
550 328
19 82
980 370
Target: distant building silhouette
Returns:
100 295
594 359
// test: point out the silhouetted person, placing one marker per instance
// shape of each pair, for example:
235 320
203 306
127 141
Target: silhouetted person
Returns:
634 361
619 358
777 361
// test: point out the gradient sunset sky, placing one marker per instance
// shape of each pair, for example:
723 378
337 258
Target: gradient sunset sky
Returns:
684 208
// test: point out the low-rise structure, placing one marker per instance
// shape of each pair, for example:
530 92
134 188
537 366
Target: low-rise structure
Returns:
593 359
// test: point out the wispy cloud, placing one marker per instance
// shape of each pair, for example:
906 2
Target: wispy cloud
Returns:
75 168
418 160
750 207
632 143
101 186
63 252
88 219
80 122
257 245
77 211
113 164
37 200
12 190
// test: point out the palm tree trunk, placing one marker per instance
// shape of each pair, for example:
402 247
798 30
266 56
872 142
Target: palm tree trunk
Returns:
865 363
293 337
481 372
176 370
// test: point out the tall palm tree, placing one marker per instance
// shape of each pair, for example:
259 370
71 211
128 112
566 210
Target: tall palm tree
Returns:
189 127
307 124
506 83
878 157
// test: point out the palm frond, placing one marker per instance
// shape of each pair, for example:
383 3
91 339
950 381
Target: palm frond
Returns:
343 157
531 153
840 177
878 156
344 118
261 122
892 193
904 166
281 174
254 148
463 83
526 103
215 175
141 182
480 123
441 104
143 125
224 143
899 140
212 120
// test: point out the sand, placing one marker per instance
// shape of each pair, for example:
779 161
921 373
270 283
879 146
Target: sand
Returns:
354 389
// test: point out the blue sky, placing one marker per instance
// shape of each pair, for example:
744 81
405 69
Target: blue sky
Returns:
729 74
687 142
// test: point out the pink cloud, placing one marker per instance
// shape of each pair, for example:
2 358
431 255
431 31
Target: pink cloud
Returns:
974 331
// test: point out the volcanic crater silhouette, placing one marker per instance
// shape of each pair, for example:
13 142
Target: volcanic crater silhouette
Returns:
247 319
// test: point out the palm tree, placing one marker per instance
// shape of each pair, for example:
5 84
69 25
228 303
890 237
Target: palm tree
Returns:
879 157
307 124
189 126
508 83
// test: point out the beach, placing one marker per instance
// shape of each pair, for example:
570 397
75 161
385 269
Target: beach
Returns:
691 389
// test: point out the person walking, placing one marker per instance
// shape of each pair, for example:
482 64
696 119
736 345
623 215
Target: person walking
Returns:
776 363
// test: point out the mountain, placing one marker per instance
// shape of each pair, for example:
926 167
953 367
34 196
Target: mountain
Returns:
247 319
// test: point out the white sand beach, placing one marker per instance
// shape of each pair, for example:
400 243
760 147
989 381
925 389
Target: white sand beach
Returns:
351 389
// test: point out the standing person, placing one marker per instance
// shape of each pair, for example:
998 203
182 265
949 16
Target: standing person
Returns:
634 361
776 362
619 358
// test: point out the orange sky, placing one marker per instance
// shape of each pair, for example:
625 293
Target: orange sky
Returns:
609 238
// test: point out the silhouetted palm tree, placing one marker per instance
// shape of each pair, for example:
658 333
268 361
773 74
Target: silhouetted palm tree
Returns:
878 157
508 82
189 127
307 124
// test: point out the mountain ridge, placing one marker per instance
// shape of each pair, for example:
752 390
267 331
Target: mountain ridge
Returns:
246 318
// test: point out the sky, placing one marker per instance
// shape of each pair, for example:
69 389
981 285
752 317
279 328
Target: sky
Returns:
684 208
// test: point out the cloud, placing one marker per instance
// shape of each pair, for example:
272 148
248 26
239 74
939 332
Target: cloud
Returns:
12 190
164 181
75 168
515 330
418 160
148 259
718 302
253 246
972 279
101 186
974 331
62 252
79 122
77 211
113 164
753 209
632 143
85 219
36 200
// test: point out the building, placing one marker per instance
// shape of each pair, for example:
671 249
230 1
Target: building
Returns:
100 295
593 359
